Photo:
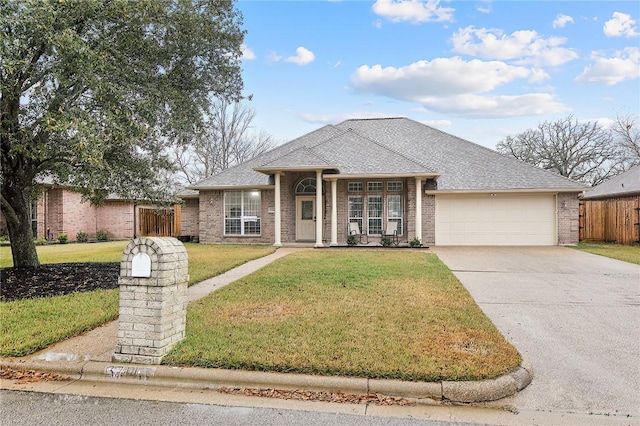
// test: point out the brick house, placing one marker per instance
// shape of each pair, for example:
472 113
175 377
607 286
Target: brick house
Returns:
59 210
436 187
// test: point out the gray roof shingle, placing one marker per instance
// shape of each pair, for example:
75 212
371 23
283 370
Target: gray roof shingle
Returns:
396 146
627 183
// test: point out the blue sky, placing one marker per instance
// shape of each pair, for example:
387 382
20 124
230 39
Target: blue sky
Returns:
481 70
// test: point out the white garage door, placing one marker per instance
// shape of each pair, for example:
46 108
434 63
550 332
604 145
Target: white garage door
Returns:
498 219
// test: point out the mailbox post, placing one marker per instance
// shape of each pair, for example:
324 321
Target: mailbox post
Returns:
153 299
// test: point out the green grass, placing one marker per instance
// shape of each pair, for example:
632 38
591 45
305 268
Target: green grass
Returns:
110 251
370 314
30 325
205 260
27 326
629 254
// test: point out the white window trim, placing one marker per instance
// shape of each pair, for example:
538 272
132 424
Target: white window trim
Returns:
243 218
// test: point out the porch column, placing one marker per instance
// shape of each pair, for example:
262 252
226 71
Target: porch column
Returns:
419 208
334 212
277 219
318 209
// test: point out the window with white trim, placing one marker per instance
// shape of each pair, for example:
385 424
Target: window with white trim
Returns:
394 210
354 187
242 212
356 210
374 186
394 186
375 211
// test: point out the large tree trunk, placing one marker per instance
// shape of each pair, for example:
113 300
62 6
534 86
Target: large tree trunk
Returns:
16 203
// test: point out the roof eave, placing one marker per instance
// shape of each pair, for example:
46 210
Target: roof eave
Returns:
272 170
380 175
631 193
501 191
230 187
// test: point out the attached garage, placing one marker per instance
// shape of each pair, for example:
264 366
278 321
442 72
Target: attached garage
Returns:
495 219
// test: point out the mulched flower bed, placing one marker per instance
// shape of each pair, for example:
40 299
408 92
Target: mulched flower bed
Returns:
56 279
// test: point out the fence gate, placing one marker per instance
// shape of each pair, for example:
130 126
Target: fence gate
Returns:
160 222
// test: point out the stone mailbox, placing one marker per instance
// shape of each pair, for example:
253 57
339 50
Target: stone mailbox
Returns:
153 299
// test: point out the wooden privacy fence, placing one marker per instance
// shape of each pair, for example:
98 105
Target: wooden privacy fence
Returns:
160 222
611 220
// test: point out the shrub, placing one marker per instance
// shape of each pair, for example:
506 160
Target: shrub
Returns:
63 238
352 240
415 243
41 241
386 242
102 235
82 237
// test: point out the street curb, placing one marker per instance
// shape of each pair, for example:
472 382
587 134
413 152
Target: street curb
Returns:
215 378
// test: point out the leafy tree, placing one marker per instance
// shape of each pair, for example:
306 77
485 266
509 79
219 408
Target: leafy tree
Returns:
91 88
227 139
582 151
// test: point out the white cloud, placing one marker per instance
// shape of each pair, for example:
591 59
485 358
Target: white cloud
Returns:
526 46
485 7
624 65
247 54
620 25
475 106
439 77
303 57
562 20
273 57
455 86
414 11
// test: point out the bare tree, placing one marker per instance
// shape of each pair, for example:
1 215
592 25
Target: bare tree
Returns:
582 151
626 133
227 139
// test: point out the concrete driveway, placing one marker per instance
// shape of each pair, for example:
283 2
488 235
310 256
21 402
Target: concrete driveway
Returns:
574 316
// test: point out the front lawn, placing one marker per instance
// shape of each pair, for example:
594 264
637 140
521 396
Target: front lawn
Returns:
629 254
27 326
205 260
377 314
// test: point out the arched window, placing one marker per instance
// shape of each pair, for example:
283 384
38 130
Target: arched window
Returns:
306 186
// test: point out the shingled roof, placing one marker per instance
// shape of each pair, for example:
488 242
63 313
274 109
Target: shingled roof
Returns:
394 147
627 183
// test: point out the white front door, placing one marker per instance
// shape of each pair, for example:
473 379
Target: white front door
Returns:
306 218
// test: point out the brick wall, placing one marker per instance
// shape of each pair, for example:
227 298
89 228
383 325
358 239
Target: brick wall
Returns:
116 218
77 215
428 219
191 217
211 212
212 219
568 218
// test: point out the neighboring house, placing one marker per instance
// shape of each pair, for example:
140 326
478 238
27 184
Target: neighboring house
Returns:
611 211
59 210
438 188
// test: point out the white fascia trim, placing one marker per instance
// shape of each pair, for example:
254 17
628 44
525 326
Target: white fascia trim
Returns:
503 191
234 187
381 176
